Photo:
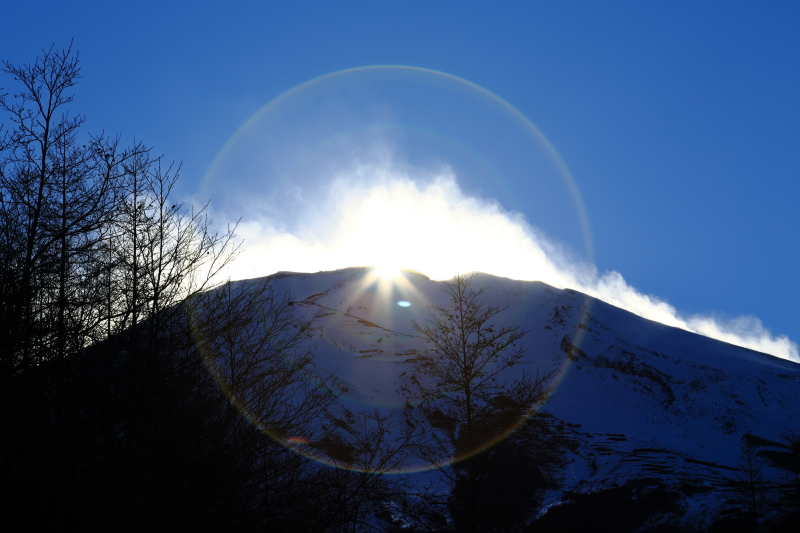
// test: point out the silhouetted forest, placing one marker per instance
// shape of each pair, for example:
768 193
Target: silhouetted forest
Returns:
133 397
111 419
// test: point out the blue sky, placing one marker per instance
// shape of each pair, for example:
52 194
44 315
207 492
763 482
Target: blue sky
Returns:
680 121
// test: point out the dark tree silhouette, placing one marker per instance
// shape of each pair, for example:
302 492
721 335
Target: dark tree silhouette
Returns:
133 398
757 496
57 196
463 393
785 457
76 391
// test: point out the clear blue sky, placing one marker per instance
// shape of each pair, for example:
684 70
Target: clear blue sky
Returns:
680 121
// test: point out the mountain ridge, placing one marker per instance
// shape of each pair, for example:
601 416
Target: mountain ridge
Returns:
634 398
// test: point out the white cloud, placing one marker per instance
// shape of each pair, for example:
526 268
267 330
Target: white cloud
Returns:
383 214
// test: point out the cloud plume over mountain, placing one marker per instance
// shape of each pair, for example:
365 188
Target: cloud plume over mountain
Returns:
385 214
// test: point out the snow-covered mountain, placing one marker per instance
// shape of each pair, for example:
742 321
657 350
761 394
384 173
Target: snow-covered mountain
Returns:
635 398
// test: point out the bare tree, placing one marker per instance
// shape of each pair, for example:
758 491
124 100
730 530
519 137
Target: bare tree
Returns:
251 340
160 252
785 457
750 489
461 387
757 495
92 254
59 194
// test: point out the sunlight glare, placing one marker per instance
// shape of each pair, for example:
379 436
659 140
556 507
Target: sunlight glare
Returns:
399 223
387 272
379 216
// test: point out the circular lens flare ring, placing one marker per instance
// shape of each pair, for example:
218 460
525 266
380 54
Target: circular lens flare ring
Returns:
389 276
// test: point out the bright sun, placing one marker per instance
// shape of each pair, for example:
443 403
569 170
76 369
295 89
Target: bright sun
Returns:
387 272
398 226
395 223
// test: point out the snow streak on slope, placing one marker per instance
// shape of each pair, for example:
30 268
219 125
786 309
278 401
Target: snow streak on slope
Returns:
376 214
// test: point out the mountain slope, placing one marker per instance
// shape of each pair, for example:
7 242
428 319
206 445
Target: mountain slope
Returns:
635 398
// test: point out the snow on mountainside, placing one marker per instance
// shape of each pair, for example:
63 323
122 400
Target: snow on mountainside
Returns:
636 398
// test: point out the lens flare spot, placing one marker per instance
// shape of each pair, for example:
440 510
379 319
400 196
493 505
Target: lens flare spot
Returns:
403 303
